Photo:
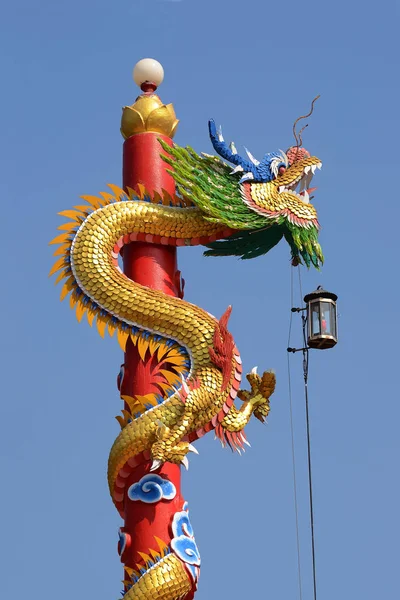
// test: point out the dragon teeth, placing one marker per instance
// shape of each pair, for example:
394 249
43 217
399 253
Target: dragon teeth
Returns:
305 179
305 197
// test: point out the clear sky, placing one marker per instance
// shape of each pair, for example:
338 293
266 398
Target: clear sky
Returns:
254 66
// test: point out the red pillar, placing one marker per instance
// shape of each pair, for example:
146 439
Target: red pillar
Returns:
154 266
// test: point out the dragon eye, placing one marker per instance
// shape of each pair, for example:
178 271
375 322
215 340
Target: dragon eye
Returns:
277 164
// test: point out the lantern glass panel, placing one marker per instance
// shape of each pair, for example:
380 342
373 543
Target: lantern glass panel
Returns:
315 321
326 320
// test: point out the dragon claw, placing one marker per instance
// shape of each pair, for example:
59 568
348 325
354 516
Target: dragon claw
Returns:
156 464
164 451
262 387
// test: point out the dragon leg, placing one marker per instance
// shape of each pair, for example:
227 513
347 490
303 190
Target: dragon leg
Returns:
255 402
169 445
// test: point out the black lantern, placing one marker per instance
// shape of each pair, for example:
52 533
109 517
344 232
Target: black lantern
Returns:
321 319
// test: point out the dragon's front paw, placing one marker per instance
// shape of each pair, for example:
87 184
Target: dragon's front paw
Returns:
167 449
262 387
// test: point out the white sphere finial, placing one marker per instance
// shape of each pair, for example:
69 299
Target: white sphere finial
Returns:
148 69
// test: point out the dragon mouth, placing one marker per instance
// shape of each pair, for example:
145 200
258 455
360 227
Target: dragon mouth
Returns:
302 182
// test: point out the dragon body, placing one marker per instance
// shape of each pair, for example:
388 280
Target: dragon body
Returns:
203 368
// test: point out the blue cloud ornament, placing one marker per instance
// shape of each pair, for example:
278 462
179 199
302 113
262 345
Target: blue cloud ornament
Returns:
183 543
151 488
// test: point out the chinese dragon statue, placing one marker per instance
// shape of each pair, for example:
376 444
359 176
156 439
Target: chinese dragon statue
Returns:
242 211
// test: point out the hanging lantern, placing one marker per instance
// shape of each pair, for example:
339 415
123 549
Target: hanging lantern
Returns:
321 319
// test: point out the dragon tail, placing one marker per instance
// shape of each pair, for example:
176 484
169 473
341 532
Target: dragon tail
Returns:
164 580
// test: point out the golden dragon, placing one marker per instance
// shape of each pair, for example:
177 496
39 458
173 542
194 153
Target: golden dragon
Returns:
215 209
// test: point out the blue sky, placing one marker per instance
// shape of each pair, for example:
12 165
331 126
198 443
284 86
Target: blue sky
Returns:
254 66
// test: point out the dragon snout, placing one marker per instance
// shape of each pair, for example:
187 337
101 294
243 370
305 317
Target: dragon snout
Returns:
300 180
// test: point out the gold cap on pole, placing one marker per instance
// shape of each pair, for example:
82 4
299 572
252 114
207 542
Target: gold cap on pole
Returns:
148 113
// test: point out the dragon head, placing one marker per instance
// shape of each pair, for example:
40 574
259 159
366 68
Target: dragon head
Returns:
284 202
262 201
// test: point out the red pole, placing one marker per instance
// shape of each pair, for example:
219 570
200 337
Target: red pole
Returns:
155 266
152 265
